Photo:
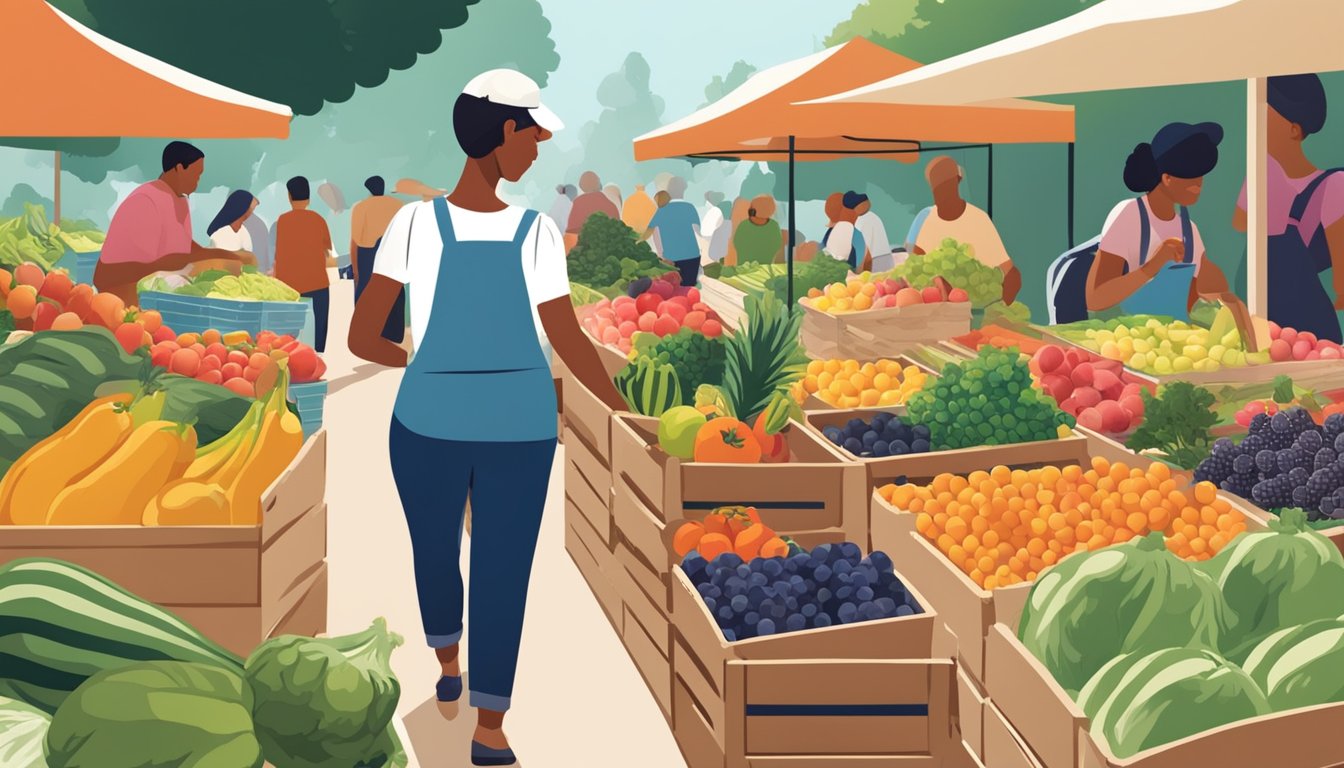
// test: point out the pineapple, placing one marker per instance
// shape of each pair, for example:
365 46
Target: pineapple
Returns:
764 357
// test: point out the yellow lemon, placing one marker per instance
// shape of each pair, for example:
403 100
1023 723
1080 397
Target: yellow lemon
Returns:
882 382
833 366
863 301
869 398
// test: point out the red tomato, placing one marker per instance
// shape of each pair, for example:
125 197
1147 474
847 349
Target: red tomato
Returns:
131 336
186 362
231 370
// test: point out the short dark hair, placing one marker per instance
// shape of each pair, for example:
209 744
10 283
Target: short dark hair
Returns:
180 153
375 185
298 188
479 123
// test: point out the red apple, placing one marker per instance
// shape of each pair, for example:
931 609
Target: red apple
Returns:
931 295
1280 350
1082 375
648 302
1049 358
1090 418
1087 397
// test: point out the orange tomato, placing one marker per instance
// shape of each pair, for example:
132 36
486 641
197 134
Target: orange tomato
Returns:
151 320
21 302
108 310
726 440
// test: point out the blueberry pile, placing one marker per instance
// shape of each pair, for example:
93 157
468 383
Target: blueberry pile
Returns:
885 435
832 584
1286 460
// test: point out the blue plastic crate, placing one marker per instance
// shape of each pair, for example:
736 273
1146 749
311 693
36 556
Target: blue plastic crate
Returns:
80 265
310 425
196 314
309 400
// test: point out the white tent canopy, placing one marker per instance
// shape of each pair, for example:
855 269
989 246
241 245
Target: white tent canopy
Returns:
1120 44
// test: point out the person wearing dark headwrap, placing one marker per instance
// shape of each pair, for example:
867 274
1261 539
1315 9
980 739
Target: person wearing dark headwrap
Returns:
1151 259
1306 212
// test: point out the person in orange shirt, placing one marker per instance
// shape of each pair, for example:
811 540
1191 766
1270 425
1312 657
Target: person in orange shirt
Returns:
302 243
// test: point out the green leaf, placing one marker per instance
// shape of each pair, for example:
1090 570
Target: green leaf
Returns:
1283 390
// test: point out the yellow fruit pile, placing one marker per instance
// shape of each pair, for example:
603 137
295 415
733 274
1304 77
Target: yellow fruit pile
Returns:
854 295
851 384
1004 526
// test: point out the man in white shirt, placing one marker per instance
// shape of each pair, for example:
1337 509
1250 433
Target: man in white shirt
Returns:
873 230
711 216
952 216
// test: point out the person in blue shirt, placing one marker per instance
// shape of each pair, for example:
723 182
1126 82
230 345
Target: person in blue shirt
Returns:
678 225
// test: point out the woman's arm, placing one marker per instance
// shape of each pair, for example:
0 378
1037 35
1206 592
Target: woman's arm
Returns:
572 345
1108 284
1334 238
1211 283
366 326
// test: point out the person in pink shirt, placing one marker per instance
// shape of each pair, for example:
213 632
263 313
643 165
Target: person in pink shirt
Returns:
151 230
1306 212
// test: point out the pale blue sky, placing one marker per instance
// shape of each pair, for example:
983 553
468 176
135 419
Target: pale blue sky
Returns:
686 44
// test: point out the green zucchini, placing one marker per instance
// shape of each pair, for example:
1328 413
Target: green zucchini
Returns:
60 624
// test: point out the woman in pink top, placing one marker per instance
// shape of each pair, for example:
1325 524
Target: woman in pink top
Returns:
1306 212
1151 259
151 230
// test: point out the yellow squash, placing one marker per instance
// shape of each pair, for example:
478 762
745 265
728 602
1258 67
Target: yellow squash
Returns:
46 469
279 441
212 460
188 502
116 492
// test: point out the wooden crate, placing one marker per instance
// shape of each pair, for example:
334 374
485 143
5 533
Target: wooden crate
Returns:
588 485
880 471
860 694
817 490
728 303
1305 373
1052 732
646 631
881 332
971 702
586 415
595 562
234 583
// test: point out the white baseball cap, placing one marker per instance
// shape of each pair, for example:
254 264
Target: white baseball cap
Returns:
514 89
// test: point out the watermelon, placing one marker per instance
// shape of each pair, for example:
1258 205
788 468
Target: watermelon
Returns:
1301 666
1138 701
649 388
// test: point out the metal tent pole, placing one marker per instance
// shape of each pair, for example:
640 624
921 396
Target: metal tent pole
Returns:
1071 195
989 181
792 305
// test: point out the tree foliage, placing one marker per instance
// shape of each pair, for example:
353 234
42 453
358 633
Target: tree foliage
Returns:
297 52
722 85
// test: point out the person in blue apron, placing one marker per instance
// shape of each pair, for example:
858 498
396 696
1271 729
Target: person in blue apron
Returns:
843 241
476 411
1151 258
1306 212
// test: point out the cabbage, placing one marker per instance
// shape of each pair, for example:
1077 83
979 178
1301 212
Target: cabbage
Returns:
1278 578
156 713
1301 666
1094 606
1143 700
326 702
23 729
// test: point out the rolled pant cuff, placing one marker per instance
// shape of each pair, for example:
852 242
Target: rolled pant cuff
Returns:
443 641
490 701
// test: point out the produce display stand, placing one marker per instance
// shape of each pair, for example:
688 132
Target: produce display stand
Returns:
729 303
237 584
867 693
881 332
1307 373
816 497
197 314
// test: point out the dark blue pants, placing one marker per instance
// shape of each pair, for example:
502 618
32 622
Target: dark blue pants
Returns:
321 312
395 327
690 272
507 483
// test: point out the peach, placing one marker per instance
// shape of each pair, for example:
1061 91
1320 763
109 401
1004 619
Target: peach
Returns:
931 295
665 325
1301 348
627 329
1280 350
675 311
907 297
711 328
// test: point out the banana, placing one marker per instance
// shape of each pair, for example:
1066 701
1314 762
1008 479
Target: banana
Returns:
213 457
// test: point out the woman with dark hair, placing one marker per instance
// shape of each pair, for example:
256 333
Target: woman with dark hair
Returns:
475 413
1306 212
1151 259
227 232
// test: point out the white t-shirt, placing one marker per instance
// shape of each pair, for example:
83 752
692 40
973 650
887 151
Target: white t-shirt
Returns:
1124 232
973 228
711 218
227 239
841 241
411 249
875 236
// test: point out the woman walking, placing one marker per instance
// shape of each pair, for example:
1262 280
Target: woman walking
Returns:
476 409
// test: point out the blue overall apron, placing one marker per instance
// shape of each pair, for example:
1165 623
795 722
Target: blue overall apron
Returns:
1168 292
1297 299
857 247
479 375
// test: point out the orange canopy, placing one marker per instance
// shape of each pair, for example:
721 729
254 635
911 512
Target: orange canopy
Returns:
755 120
122 92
